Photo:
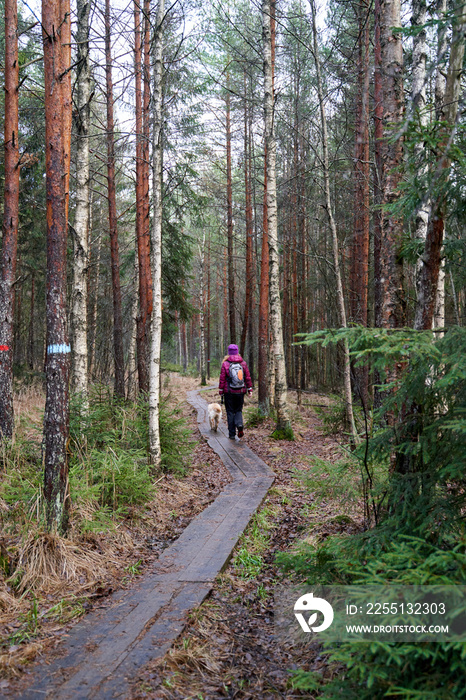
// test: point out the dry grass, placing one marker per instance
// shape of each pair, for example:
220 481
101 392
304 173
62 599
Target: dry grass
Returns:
8 603
28 406
12 661
193 656
49 562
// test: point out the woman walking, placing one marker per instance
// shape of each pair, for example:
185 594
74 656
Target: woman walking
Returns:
235 381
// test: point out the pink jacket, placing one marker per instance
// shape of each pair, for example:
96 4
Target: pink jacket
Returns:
223 386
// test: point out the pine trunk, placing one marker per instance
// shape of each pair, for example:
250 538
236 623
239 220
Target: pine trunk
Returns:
378 137
56 418
360 251
249 232
93 312
142 198
392 312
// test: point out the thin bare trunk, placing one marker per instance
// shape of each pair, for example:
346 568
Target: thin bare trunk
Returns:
79 295
132 368
281 406
208 310
392 312
31 341
248 213
231 268
10 219
112 219
378 137
156 248
262 371
333 230
93 312
202 306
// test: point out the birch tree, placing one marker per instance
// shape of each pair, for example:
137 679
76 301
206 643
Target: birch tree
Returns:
283 427
79 296
156 240
263 355
10 219
112 219
430 263
202 310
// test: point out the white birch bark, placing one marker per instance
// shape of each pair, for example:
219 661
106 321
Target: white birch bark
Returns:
418 97
79 295
447 95
333 229
156 244
439 313
275 320
132 369
440 87
202 312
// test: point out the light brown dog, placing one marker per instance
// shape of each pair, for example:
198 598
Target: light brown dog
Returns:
215 413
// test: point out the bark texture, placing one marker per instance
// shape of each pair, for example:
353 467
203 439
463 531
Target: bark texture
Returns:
79 297
281 405
156 240
231 267
10 219
112 219
263 358
142 197
249 232
392 311
57 368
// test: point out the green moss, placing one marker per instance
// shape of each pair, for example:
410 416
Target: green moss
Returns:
283 433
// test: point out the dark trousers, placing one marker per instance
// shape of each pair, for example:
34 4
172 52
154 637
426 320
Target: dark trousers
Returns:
234 407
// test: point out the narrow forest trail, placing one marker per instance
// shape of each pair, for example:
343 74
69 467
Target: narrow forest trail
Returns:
103 653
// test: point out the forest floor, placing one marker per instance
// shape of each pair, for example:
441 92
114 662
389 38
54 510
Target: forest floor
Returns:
229 648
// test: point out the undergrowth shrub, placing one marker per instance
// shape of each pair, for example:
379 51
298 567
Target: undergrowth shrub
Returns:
109 468
419 537
108 462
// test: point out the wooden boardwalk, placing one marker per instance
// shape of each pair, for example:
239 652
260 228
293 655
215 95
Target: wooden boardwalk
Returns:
102 654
